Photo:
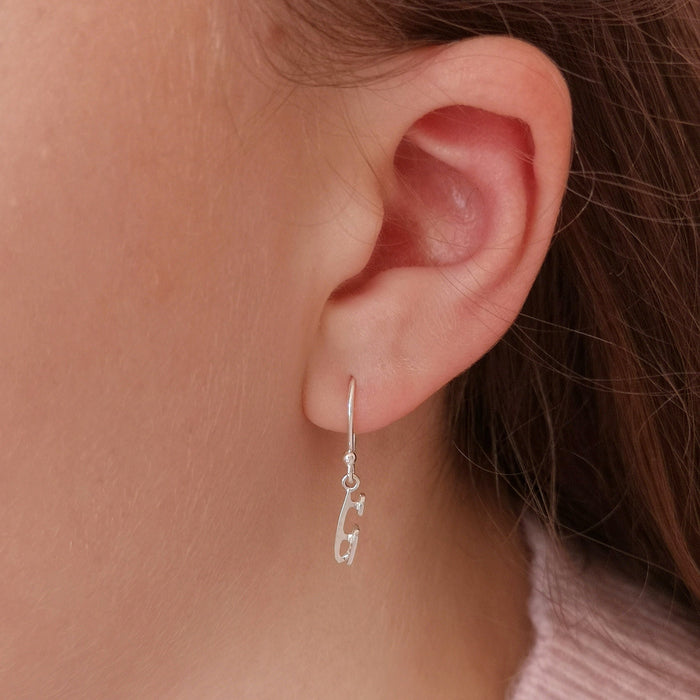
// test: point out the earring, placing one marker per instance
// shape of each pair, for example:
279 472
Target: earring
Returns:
350 483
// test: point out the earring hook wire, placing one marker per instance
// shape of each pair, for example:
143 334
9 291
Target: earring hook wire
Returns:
351 415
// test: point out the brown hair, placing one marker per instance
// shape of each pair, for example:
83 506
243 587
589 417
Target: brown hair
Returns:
588 408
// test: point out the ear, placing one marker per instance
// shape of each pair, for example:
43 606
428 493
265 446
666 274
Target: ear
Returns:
472 149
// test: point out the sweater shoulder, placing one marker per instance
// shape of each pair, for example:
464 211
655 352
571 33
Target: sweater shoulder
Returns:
597 635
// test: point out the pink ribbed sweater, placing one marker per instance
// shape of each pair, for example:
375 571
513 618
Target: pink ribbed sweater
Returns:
599 636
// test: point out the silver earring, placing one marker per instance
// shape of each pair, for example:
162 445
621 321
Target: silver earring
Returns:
350 483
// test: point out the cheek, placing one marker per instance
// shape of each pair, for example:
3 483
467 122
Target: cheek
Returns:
143 295
130 248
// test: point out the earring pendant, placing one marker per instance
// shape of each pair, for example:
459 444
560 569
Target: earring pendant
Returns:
345 554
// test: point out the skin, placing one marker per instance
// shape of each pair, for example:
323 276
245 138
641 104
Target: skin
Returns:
168 508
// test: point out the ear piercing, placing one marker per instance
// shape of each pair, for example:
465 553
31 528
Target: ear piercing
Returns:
350 483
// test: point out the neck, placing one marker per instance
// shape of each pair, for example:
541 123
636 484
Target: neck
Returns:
434 604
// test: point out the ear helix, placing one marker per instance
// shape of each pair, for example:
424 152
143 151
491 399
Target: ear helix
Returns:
468 160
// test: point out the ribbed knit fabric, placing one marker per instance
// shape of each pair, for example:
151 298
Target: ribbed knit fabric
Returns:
599 636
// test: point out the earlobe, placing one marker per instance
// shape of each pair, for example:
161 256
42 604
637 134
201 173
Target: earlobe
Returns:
470 203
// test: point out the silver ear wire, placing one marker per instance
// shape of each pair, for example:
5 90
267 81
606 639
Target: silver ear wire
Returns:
350 483
351 415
